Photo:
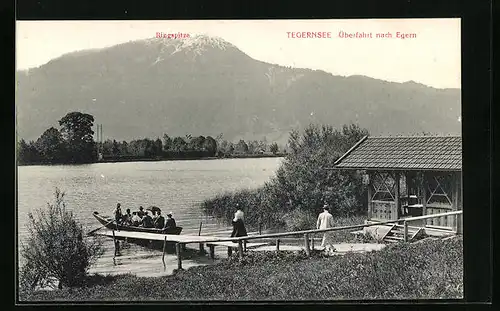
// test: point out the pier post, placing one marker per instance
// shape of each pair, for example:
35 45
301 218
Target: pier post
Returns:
306 244
277 245
199 231
179 255
260 228
116 243
240 248
312 241
229 251
163 257
212 251
202 249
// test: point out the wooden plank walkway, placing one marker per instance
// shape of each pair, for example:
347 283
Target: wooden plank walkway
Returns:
173 238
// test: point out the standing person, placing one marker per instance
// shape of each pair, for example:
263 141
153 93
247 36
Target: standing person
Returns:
238 225
159 221
118 214
325 221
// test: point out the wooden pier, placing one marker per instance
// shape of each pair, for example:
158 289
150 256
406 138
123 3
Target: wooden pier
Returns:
242 243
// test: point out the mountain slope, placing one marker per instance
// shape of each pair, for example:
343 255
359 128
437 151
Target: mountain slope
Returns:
207 86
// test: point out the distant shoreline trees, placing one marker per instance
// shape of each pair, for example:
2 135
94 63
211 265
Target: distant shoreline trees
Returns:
74 143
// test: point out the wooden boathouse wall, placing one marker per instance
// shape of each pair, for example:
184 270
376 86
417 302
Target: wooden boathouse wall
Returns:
395 189
410 176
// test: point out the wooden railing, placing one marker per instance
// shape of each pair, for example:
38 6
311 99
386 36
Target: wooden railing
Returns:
306 233
407 220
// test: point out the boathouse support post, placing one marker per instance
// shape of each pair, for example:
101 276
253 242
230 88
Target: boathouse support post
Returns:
277 245
306 244
396 211
369 188
424 197
202 249
229 251
405 231
163 256
240 248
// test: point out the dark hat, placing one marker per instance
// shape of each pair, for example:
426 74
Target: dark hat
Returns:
169 214
141 208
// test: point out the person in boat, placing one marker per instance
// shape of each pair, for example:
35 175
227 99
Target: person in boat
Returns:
159 221
325 221
127 218
147 221
238 225
141 213
170 221
155 215
118 213
136 220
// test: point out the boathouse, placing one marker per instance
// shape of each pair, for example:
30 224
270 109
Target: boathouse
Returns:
410 176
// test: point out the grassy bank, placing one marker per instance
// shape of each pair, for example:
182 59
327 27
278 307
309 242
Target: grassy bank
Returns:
427 270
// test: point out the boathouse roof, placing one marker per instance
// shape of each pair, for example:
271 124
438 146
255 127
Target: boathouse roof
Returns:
436 153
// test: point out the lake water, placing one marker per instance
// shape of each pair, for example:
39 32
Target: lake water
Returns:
176 186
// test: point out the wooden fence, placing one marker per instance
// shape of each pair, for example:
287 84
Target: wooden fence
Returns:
306 233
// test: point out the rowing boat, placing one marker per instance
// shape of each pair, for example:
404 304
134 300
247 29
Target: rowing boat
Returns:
109 223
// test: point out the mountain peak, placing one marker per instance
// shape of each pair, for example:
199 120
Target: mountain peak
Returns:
196 44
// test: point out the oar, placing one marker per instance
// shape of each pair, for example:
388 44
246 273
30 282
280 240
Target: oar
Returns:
90 233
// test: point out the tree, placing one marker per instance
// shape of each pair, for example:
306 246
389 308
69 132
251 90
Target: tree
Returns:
123 148
76 128
51 145
56 248
241 147
196 143
274 148
115 150
253 147
158 147
210 145
304 179
167 142
149 147
179 144
27 152
107 147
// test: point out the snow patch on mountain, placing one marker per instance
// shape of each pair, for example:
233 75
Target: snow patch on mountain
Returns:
195 45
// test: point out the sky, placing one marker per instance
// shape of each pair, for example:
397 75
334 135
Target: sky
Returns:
431 55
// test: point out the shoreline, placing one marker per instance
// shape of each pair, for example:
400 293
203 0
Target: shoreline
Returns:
117 160
286 275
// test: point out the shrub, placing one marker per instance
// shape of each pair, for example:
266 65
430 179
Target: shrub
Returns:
56 249
302 183
298 220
